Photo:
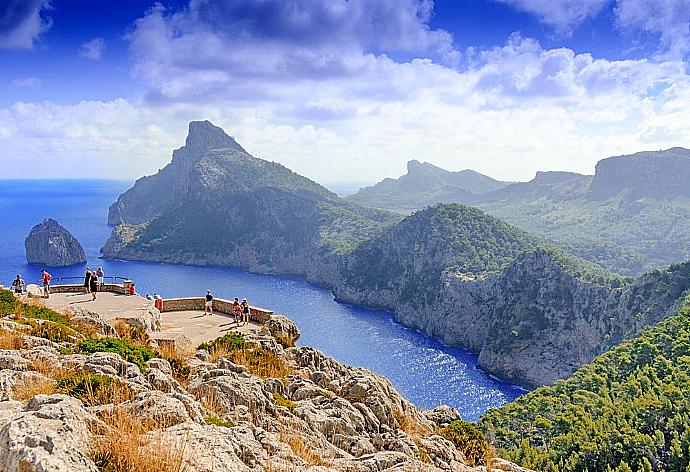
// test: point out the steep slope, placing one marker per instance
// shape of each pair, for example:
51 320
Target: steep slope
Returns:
632 216
424 185
531 312
627 408
221 206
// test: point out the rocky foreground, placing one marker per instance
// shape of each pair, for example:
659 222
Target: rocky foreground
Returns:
79 394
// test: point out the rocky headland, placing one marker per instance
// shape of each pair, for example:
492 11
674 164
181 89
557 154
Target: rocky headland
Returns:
79 395
52 245
532 312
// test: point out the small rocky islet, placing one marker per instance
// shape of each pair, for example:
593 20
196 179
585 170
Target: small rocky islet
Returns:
52 245
78 393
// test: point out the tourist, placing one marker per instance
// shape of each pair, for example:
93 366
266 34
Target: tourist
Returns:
237 310
45 276
18 284
245 311
100 274
93 286
87 280
208 306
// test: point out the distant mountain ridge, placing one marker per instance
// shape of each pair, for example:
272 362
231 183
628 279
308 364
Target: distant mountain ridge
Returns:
427 183
453 271
633 215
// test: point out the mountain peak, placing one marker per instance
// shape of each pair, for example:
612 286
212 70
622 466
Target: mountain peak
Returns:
206 135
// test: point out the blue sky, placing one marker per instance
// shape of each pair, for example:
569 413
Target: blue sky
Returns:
343 90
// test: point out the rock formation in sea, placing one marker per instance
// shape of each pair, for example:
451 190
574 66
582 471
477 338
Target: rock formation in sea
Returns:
52 245
77 399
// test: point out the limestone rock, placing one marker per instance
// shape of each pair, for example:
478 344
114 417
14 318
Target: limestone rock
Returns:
50 435
82 315
442 415
283 329
52 245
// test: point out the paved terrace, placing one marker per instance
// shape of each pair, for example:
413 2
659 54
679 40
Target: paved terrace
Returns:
185 316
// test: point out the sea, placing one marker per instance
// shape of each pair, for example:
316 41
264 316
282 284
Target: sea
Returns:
423 369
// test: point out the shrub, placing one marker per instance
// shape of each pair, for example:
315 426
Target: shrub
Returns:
228 342
214 420
9 304
52 331
131 353
258 360
468 439
282 401
94 389
126 446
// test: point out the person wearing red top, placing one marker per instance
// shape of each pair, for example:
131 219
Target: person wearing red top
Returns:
46 283
237 310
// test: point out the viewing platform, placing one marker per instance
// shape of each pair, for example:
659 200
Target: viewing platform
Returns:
181 319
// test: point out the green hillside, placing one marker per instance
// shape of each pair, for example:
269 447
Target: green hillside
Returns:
632 216
627 410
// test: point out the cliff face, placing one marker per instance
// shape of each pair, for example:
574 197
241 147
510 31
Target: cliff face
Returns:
52 245
534 322
659 175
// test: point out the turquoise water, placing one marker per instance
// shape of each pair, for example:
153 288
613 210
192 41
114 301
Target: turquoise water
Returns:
423 369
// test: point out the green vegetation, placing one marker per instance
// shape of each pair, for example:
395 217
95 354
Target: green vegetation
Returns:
468 440
412 256
282 401
628 410
214 420
9 304
131 353
229 342
635 227
93 389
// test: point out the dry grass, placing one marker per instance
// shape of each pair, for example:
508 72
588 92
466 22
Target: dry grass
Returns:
94 389
25 391
132 334
410 425
210 401
261 362
11 340
125 447
300 448
285 341
177 357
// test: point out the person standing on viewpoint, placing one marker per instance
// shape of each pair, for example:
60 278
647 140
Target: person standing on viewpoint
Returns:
87 280
46 283
93 286
237 311
208 305
18 284
245 311
100 275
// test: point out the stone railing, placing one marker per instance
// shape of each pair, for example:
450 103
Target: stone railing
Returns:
257 314
76 288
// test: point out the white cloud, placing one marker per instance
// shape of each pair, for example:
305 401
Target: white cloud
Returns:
339 108
93 49
22 22
27 82
562 15
668 19
243 48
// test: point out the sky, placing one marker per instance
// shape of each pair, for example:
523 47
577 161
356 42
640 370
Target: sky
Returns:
342 90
